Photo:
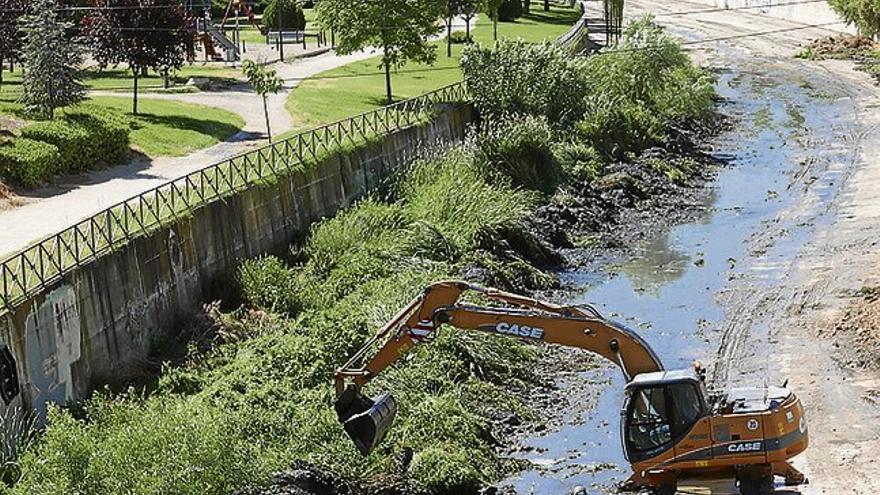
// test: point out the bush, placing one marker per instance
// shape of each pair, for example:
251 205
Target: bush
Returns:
510 10
83 140
445 469
292 15
28 162
580 162
268 283
521 148
524 78
865 14
460 198
459 37
639 89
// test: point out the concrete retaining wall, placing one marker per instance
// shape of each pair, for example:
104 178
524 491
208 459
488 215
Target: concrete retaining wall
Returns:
99 323
816 13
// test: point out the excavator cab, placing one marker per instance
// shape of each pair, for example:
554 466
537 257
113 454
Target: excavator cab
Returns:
659 410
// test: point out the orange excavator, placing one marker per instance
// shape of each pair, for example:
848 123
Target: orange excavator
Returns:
673 427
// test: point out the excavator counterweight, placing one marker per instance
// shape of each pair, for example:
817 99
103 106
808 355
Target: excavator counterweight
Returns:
673 426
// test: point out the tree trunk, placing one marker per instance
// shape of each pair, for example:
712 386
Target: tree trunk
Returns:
467 29
546 5
166 78
388 93
449 37
266 113
1 71
527 6
495 27
134 108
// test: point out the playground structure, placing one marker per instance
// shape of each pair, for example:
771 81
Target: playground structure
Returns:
219 46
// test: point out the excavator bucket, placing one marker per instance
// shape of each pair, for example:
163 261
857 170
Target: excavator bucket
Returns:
365 420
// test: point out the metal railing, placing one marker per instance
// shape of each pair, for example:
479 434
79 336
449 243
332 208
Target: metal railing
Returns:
32 270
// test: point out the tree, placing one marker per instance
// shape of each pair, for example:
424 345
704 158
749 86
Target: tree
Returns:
292 15
52 60
469 10
492 8
10 38
865 14
399 28
264 81
453 9
144 34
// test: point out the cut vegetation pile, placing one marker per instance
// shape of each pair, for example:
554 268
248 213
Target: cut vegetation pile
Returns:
861 49
858 331
253 396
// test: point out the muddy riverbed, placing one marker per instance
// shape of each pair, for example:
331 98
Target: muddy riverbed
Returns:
707 289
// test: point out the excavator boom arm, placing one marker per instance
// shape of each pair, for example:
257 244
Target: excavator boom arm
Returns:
574 326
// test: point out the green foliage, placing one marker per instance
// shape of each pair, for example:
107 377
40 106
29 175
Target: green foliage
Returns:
460 198
52 78
458 38
292 15
579 161
510 10
639 88
264 81
521 149
399 28
267 283
28 162
865 14
525 78
445 469
83 140
128 445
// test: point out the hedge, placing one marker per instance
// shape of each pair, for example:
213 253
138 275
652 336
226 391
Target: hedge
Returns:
28 162
83 140
510 10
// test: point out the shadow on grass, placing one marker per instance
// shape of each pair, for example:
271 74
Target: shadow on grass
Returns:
214 128
566 18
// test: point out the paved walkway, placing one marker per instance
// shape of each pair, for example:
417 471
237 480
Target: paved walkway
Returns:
53 208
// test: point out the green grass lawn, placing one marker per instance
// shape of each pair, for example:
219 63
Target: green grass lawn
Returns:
360 86
163 127
171 128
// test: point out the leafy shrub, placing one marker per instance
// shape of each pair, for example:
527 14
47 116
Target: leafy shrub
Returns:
523 78
131 446
268 283
28 162
639 88
521 149
865 14
292 15
460 198
510 10
83 140
579 161
459 37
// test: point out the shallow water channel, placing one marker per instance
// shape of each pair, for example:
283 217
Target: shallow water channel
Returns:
670 289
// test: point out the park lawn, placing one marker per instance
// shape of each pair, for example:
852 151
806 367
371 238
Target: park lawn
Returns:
172 128
163 127
119 78
360 86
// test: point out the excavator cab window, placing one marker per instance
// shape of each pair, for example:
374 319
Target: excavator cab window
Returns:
659 414
648 427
